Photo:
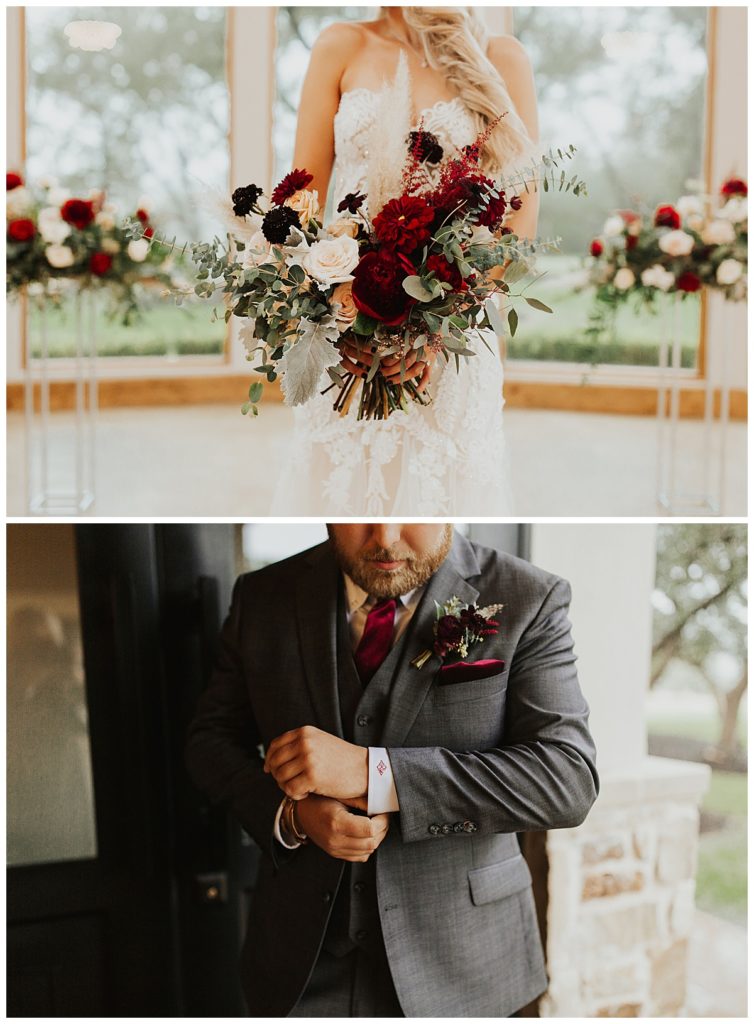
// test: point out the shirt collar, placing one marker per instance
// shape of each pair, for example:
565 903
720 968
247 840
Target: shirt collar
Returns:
356 595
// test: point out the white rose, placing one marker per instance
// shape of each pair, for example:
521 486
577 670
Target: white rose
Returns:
613 226
257 251
346 314
19 201
687 206
110 245
332 260
624 279
719 232
59 256
137 250
735 210
305 203
105 220
657 276
676 243
52 227
343 226
695 221
729 272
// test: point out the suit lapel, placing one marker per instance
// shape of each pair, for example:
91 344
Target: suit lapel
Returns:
410 685
316 620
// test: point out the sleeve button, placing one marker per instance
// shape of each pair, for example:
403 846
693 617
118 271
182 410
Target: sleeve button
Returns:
363 720
458 827
470 826
434 830
446 829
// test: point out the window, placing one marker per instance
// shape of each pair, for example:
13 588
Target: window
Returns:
145 120
297 29
626 86
50 795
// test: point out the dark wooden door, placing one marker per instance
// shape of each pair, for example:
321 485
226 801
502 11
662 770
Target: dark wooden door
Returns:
147 921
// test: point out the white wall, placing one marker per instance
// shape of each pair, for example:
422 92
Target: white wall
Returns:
611 570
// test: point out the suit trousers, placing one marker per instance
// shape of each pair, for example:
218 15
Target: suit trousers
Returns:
358 984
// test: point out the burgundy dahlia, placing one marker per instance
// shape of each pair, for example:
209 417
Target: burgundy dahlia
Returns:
352 202
425 146
277 224
688 282
445 271
100 263
290 185
404 223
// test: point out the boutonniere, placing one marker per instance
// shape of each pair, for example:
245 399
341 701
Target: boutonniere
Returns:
457 627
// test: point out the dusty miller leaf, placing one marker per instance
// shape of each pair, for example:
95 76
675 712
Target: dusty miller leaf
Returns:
304 363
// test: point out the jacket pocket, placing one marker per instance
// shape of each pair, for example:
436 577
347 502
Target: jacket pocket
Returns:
471 689
496 881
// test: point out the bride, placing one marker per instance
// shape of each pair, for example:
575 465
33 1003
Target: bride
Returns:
446 458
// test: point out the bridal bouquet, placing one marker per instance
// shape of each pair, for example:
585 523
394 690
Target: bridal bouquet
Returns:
53 237
398 278
701 240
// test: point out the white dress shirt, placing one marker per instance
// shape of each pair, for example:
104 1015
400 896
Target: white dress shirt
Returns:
381 795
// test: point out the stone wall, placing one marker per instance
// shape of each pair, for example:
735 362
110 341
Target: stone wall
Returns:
621 896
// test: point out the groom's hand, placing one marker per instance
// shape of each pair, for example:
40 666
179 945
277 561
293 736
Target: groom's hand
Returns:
308 760
333 828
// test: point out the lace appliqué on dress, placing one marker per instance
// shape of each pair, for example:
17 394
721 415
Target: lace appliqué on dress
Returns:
445 459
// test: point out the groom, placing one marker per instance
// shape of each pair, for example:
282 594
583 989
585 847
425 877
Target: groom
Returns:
388 795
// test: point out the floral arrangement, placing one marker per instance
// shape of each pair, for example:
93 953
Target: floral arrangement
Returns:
53 237
399 277
699 241
457 626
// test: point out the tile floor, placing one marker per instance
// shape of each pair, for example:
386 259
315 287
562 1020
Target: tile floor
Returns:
208 460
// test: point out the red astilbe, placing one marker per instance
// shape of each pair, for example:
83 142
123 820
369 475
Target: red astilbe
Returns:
290 185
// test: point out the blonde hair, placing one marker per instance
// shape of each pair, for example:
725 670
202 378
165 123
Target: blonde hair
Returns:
454 41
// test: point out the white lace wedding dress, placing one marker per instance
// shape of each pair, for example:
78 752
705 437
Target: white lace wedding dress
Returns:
444 459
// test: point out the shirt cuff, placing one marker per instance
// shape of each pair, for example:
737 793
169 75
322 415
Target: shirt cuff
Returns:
382 795
277 831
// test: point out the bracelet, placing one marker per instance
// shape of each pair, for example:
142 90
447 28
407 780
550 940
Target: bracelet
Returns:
289 813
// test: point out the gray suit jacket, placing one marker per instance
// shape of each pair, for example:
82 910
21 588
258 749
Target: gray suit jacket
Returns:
503 754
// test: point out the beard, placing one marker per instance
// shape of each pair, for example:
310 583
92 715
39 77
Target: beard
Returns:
415 571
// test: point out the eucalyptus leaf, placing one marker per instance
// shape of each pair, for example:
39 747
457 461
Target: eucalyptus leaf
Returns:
512 321
536 304
413 286
498 324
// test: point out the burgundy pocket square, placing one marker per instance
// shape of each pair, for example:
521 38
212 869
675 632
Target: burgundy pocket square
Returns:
463 671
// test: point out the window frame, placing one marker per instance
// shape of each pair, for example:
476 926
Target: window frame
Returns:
250 52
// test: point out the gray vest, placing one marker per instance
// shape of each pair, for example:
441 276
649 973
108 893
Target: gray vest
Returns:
355 919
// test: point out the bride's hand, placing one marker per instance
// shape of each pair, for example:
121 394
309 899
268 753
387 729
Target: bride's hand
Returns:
416 369
355 360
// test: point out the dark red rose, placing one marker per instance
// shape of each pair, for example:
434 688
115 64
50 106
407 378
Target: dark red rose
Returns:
688 282
142 215
12 181
403 223
291 183
79 212
631 241
148 232
445 271
596 248
734 187
667 217
378 286
100 263
22 230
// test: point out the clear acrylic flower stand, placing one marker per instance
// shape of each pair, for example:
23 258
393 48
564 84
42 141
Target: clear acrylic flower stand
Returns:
60 449
691 471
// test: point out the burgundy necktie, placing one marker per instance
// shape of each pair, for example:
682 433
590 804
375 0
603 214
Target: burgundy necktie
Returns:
376 639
